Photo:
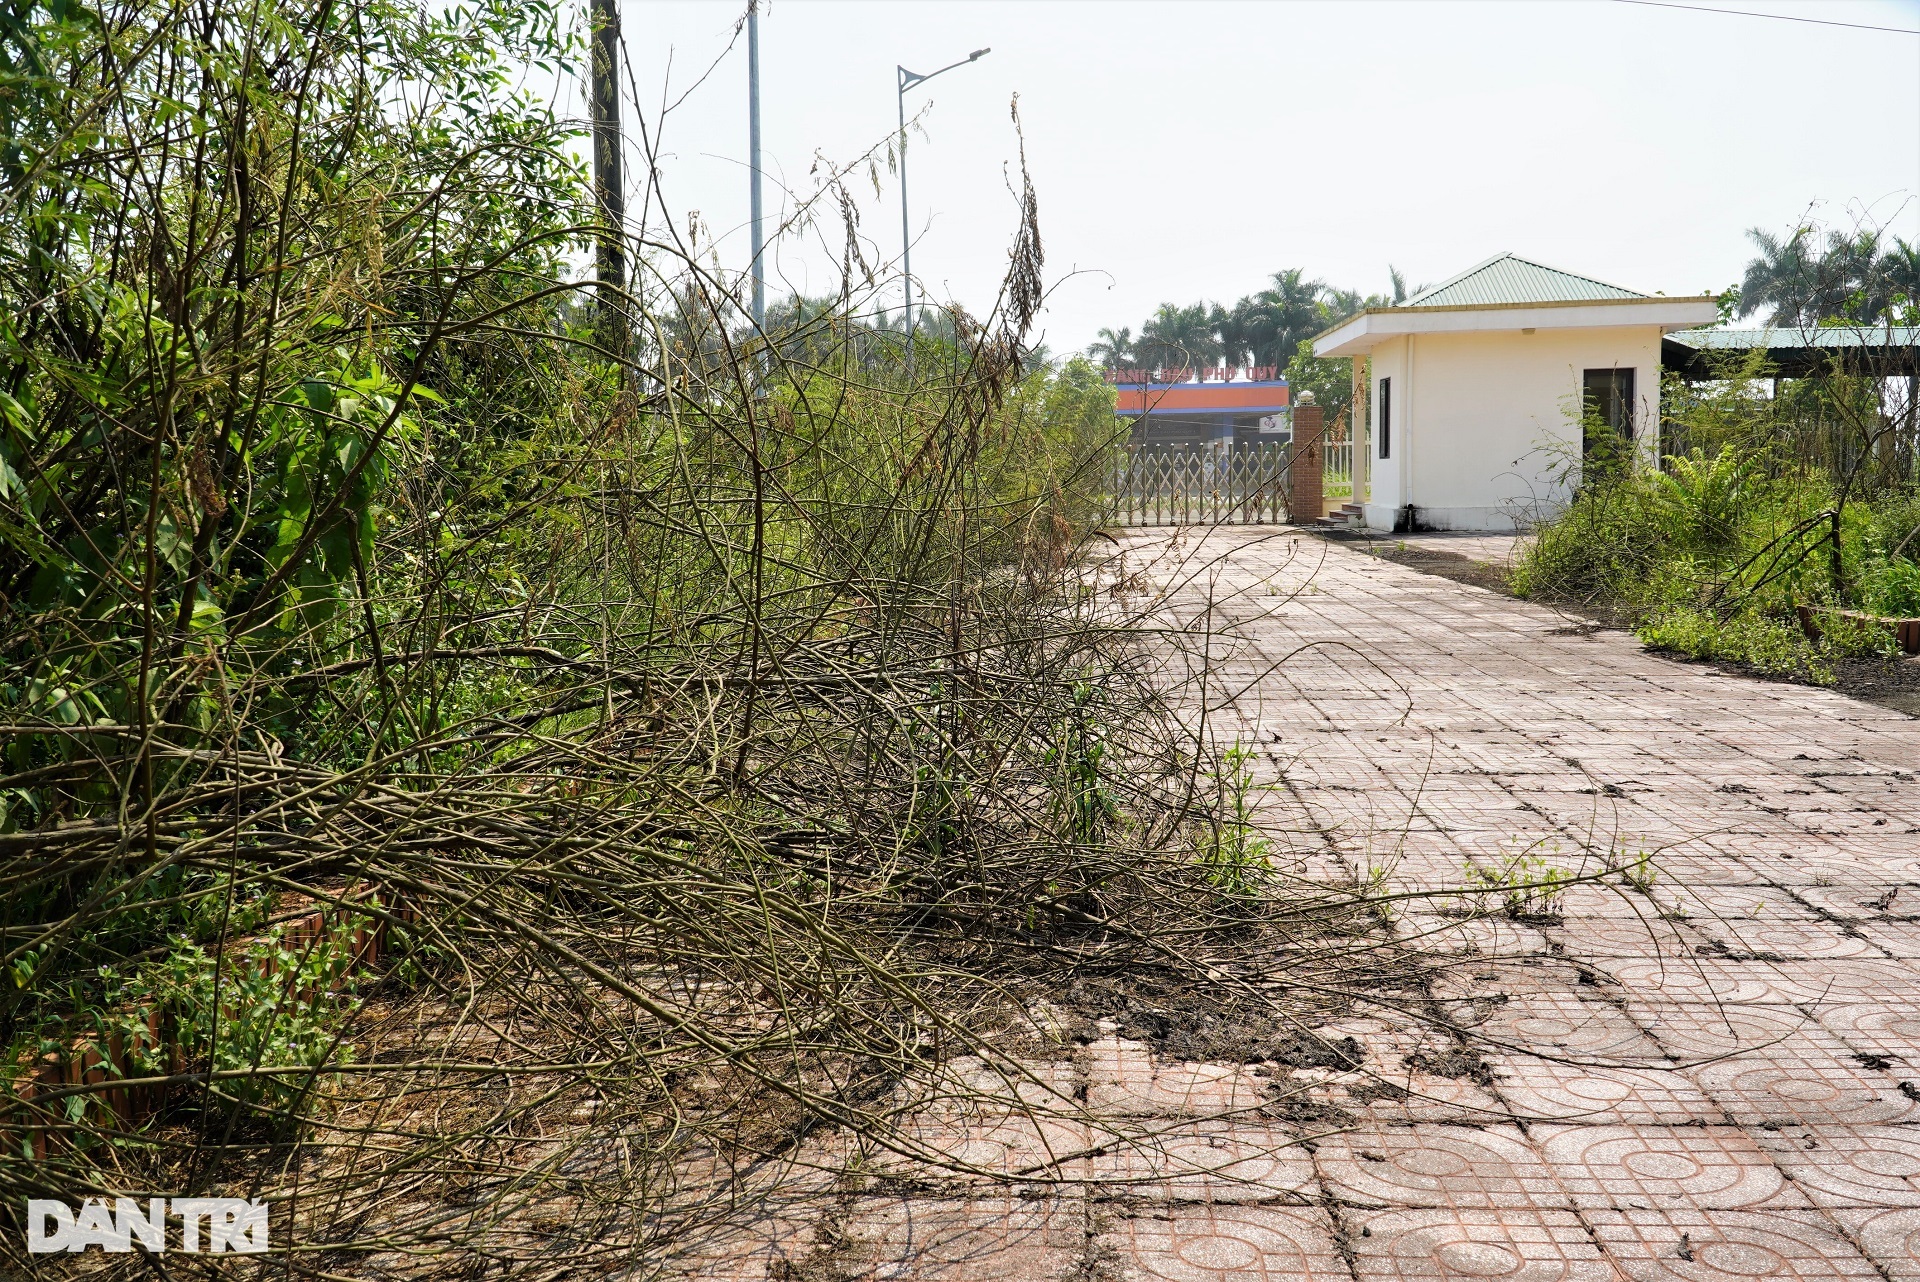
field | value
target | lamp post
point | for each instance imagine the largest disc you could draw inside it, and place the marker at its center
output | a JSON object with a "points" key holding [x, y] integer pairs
{"points": [[907, 80]]}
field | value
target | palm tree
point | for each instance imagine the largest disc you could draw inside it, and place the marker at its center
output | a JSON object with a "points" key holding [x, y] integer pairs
{"points": [[1177, 337], [1233, 333], [1780, 281], [1110, 349], [1278, 317], [1847, 285], [1338, 304], [1899, 271]]}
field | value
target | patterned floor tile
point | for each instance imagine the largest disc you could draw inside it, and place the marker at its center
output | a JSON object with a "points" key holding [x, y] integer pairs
{"points": [[1427, 1245], [1547, 1091], [1707, 1246], [1563, 1024], [1851, 1166], [1124, 1078], [987, 1239], [1690, 1031], [1716, 1068], [1804, 1081], [1651, 1167], [1437, 1166], [1888, 1028], [1891, 1238], [1209, 1162], [1216, 1243], [1789, 941], [982, 1149]]}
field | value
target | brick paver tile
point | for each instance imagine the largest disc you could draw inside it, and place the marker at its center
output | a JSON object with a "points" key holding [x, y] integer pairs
{"points": [[752, 1248], [1522, 1245], [1391, 1093], [1702, 979], [1855, 898], [1566, 1024], [1684, 1245], [1809, 1080], [1483, 937], [977, 1149], [1898, 939], [1851, 1166], [987, 1239], [1720, 1073], [1890, 1238], [1199, 1243], [969, 1084], [1789, 940], [1437, 1166], [1888, 1028], [1595, 1095], [1123, 1077], [1651, 1167], [1691, 1031], [1209, 1161]]}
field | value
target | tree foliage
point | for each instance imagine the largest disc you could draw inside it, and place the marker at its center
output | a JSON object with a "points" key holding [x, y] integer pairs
{"points": [[1815, 274], [1270, 327]]}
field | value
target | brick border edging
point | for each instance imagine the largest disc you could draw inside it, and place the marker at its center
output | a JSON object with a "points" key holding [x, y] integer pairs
{"points": [[89, 1064]]}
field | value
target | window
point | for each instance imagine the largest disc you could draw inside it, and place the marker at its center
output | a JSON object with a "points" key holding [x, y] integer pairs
{"points": [[1385, 401], [1607, 398]]}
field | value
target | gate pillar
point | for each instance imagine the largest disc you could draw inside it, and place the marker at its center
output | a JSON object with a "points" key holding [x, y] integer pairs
{"points": [[1307, 464]]}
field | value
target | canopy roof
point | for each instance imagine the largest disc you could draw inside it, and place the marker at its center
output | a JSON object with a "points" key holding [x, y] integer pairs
{"points": [[1795, 352]]}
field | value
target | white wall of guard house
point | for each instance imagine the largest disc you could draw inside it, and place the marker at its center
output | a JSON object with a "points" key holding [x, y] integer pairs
{"points": [[1477, 384]]}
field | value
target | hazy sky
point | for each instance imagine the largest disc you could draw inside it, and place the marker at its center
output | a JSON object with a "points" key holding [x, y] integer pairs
{"points": [[1187, 150]]}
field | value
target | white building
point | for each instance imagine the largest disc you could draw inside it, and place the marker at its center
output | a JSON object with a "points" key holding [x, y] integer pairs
{"points": [[1477, 387]]}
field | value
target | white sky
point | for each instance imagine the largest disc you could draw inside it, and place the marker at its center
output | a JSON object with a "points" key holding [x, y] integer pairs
{"points": [[1186, 151]]}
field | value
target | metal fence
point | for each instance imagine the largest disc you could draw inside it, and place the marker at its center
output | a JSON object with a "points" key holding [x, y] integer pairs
{"points": [[1207, 486]]}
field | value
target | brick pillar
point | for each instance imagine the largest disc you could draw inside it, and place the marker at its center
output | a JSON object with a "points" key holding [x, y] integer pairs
{"points": [[1307, 466]]}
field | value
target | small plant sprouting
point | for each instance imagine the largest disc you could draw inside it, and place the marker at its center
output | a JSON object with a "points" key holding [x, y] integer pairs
{"points": [[1639, 872], [1083, 802], [1528, 885], [1237, 852]]}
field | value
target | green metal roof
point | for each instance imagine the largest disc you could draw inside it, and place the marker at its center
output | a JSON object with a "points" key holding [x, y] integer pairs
{"points": [[1508, 278], [1828, 337], [1883, 351]]}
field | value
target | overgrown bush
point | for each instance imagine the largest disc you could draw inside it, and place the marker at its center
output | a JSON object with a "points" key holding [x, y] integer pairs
{"points": [[1771, 507], [727, 712]]}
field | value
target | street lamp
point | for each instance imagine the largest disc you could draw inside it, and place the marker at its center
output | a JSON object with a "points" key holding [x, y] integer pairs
{"points": [[908, 80]]}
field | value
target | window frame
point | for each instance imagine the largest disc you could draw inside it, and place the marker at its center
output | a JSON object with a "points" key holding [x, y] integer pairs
{"points": [[1624, 386], [1383, 414]]}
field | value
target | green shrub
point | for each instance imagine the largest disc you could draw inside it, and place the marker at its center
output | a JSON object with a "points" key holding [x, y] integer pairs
{"points": [[1596, 551], [1892, 587], [1763, 642]]}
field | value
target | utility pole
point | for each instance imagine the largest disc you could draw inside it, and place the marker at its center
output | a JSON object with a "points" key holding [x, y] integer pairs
{"points": [[609, 191], [753, 161]]}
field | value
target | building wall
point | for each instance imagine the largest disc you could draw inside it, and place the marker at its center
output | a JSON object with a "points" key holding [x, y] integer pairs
{"points": [[1485, 424]]}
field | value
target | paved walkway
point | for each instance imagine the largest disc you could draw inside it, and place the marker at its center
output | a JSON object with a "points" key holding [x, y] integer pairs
{"points": [[1705, 1065], [1717, 1076]]}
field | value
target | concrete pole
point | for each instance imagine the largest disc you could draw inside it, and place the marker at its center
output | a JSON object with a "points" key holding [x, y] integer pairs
{"points": [[906, 235], [753, 163], [609, 191]]}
